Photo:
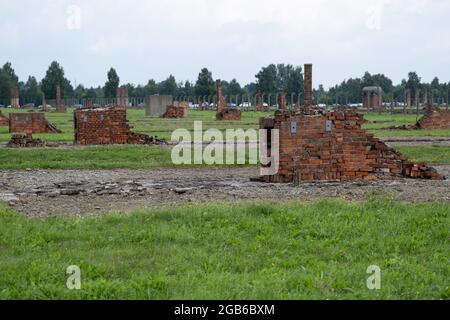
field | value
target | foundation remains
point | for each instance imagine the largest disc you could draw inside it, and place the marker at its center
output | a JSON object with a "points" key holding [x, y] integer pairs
{"points": [[107, 126], [24, 141], [179, 109], [320, 145], [224, 113], [434, 118], [31, 122]]}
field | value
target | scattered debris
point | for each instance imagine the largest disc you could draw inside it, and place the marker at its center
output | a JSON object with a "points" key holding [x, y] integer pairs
{"points": [[24, 141]]}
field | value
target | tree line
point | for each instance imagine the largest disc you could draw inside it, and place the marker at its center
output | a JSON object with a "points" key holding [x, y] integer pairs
{"points": [[269, 80]]}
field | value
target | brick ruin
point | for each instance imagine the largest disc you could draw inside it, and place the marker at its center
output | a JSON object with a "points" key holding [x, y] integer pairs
{"points": [[224, 113], [308, 88], [179, 109], [59, 106], [15, 104], [373, 99], [107, 126], [321, 145], [31, 122], [122, 97], [260, 103], [24, 141], [4, 120], [434, 118], [408, 99]]}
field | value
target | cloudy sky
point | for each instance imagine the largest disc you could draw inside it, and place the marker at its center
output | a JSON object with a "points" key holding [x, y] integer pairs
{"points": [[146, 39]]}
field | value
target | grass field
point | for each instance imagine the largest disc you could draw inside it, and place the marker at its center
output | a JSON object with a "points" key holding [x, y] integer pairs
{"points": [[163, 128], [145, 157], [259, 251]]}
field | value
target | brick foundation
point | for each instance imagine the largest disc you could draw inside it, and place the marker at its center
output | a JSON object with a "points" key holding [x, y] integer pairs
{"points": [[24, 141], [4, 120], [224, 113], [341, 151], [179, 109], [106, 126], [434, 118], [31, 122]]}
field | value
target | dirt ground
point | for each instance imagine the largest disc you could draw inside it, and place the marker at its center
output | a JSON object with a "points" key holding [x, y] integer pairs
{"points": [[45, 193]]}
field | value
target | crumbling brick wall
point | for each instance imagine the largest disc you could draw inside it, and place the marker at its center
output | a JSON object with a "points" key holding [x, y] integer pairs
{"points": [[106, 126], [224, 113], [333, 146], [434, 118], [179, 109], [31, 122], [4, 120]]}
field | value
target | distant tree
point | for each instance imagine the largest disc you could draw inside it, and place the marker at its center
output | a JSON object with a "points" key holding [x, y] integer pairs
{"points": [[234, 88], [8, 79], [413, 81], [267, 79], [53, 77], [112, 84], [205, 85], [151, 87], [32, 92], [168, 86]]}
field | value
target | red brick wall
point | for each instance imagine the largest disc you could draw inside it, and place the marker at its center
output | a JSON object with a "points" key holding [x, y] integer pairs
{"points": [[105, 126], [435, 118], [346, 152], [30, 122], [308, 87]]}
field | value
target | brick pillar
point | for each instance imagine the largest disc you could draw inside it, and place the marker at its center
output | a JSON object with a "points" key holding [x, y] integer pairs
{"points": [[122, 97], [44, 102], [221, 103], [425, 96], [417, 97], [408, 97], [281, 101], [15, 98], [308, 87], [259, 102], [58, 96]]}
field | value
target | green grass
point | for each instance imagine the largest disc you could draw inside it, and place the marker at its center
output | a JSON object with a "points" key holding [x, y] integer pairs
{"points": [[145, 157], [163, 128], [258, 251], [434, 154]]}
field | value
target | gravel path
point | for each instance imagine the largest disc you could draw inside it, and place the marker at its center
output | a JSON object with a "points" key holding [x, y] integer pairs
{"points": [[44, 193]]}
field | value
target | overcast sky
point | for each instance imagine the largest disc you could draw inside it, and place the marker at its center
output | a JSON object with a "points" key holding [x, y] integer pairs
{"points": [[146, 39]]}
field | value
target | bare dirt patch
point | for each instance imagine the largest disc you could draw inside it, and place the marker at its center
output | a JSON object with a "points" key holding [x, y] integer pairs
{"points": [[45, 193]]}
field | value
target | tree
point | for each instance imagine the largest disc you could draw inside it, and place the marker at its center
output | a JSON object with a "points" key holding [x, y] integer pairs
{"points": [[112, 84], [267, 79], [169, 86], [205, 85], [413, 81], [31, 91], [8, 79], [151, 88], [53, 77]]}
